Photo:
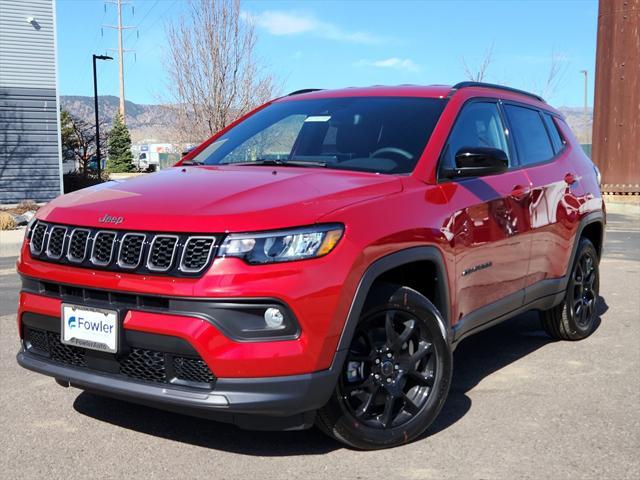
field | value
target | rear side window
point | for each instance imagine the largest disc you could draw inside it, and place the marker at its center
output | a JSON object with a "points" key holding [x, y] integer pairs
{"points": [[530, 135], [556, 139]]}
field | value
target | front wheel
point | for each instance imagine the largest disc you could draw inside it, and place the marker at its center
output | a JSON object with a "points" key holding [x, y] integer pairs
{"points": [[396, 375], [576, 317]]}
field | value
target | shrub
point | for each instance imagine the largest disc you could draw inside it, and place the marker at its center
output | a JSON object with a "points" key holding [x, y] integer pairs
{"points": [[6, 221], [26, 206], [120, 159]]}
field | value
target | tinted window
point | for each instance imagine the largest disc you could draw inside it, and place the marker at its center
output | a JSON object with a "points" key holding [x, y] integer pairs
{"points": [[556, 139], [530, 135], [381, 134], [478, 125]]}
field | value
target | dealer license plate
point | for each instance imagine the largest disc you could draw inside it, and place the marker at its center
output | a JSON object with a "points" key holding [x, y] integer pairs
{"points": [[88, 327]]}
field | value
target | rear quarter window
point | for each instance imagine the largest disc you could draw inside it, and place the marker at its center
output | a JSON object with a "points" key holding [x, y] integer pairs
{"points": [[530, 135], [556, 139]]}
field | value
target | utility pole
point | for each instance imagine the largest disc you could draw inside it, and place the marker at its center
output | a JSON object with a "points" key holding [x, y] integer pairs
{"points": [[121, 50], [120, 59], [586, 107]]}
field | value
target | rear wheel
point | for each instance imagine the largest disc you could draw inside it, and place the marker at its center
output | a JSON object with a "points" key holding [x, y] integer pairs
{"points": [[396, 376], [575, 318]]}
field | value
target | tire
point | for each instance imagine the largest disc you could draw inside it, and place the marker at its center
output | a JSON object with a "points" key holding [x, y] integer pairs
{"points": [[576, 317], [396, 375]]}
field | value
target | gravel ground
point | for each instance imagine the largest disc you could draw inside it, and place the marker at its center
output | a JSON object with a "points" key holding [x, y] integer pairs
{"points": [[521, 406]]}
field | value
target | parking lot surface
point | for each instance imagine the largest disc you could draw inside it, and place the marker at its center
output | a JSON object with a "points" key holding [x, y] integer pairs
{"points": [[521, 406]]}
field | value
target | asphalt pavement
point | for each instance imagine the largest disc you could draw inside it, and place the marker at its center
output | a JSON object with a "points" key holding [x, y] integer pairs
{"points": [[521, 406]]}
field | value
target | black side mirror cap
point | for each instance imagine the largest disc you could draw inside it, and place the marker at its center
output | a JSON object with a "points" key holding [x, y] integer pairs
{"points": [[479, 161]]}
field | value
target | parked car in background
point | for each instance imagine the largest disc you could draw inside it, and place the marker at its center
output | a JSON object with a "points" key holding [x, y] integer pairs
{"points": [[318, 261]]}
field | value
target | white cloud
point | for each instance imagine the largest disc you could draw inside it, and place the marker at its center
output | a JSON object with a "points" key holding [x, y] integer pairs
{"points": [[394, 62], [281, 23]]}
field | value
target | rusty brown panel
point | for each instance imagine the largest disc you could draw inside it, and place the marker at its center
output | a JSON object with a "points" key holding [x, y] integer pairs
{"points": [[616, 123]]}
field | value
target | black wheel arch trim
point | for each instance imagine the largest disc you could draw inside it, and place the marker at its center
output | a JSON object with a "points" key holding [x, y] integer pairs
{"points": [[427, 253], [588, 219]]}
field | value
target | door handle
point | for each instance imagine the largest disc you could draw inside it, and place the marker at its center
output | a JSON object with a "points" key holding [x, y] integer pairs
{"points": [[519, 192], [570, 178]]}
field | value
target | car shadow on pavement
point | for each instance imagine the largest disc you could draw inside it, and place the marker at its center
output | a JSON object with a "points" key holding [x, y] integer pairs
{"points": [[475, 358], [202, 432], [489, 351]]}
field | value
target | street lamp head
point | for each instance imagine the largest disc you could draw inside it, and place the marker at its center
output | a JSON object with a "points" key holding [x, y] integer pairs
{"points": [[102, 57]]}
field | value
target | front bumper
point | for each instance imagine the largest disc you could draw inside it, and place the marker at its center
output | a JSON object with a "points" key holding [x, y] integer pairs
{"points": [[269, 403]]}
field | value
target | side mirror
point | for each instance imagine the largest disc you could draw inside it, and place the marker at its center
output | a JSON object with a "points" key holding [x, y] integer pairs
{"points": [[479, 161]]}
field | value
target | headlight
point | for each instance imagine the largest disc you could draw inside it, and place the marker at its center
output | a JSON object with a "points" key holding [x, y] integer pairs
{"points": [[284, 245]]}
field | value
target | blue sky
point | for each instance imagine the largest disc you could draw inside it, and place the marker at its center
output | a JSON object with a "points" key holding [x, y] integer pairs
{"points": [[331, 43]]}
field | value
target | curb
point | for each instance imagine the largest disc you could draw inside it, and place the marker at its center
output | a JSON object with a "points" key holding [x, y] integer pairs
{"points": [[10, 242]]}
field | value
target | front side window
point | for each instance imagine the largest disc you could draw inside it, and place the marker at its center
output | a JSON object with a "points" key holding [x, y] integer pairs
{"points": [[530, 135], [376, 134], [478, 125]]}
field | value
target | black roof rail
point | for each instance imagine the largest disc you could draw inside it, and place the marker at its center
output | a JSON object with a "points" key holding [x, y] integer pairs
{"points": [[461, 85], [304, 90]]}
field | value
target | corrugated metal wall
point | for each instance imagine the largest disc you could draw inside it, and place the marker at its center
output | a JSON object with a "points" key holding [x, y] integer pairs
{"points": [[616, 123], [30, 162]]}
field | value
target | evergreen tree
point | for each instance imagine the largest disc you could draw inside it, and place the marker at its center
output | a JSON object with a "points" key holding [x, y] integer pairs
{"points": [[120, 157]]}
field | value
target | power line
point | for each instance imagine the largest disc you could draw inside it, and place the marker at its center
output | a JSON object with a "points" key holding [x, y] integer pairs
{"points": [[143, 18]]}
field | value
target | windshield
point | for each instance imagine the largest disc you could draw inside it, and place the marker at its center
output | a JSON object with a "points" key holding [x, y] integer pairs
{"points": [[379, 134]]}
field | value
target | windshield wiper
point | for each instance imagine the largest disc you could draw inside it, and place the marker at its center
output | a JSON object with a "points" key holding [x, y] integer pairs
{"points": [[281, 163], [190, 163]]}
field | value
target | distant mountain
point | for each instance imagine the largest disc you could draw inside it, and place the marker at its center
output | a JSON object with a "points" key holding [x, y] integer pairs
{"points": [[580, 123], [153, 122], [145, 122]]}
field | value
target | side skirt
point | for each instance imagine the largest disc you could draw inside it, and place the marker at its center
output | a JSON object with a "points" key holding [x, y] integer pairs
{"points": [[541, 296]]}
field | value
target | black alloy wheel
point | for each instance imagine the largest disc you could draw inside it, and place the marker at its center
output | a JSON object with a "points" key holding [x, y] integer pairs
{"points": [[396, 375], [577, 316], [390, 369], [585, 293]]}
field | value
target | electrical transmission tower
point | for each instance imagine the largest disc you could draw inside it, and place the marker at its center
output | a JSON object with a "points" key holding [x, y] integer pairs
{"points": [[121, 50]]}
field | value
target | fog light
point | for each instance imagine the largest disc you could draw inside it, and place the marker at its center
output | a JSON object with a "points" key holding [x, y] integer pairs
{"points": [[274, 318]]}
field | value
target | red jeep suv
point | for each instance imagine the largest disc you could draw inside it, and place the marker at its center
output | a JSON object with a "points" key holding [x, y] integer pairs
{"points": [[319, 260]]}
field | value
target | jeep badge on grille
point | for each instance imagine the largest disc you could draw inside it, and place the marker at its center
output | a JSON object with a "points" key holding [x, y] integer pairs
{"points": [[109, 219]]}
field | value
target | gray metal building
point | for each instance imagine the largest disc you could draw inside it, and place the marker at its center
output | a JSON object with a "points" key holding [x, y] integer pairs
{"points": [[30, 155]]}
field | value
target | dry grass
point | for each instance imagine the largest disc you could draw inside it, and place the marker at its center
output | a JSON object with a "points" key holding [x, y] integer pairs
{"points": [[23, 206], [6, 221]]}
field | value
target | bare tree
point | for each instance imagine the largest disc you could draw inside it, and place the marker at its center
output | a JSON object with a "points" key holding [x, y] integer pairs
{"points": [[79, 140], [213, 72], [479, 74], [554, 77]]}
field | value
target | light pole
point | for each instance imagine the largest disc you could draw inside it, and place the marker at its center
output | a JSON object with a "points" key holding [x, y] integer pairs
{"points": [[586, 115], [95, 103]]}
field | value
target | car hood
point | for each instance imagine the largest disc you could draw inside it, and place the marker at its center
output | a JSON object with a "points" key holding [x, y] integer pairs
{"points": [[218, 199]]}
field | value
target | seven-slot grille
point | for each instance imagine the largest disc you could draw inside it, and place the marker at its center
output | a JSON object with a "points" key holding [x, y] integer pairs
{"points": [[37, 238], [130, 252], [171, 254], [56, 241], [103, 244], [163, 250], [196, 254]]}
